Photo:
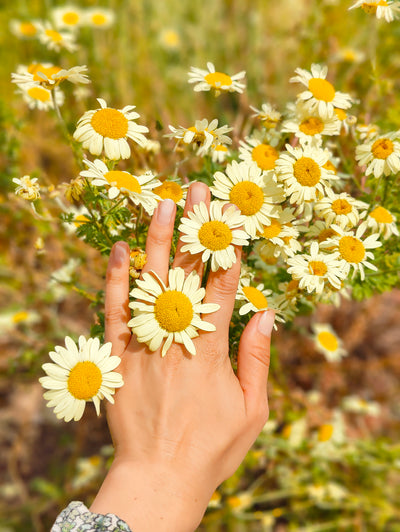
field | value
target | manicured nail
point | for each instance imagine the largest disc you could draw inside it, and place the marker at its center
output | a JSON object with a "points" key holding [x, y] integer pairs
{"points": [[198, 193], [120, 252], [165, 211], [266, 322]]}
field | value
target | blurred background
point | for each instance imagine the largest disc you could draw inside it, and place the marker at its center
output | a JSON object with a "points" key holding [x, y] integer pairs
{"points": [[50, 278]]}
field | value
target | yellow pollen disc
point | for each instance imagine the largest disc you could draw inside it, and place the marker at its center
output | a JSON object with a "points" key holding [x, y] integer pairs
{"points": [[317, 267], [80, 219], [286, 432], [307, 172], [171, 38], [70, 18], [215, 235], [270, 231], [28, 29], [169, 190], [173, 311], [265, 156], [351, 249], [382, 148], [312, 126], [84, 380], [98, 19], [110, 123], [321, 89], [341, 206], [218, 79], [255, 296], [342, 115], [381, 215], [47, 71], [54, 35], [38, 93], [248, 197], [328, 340], [22, 315], [220, 147], [330, 166], [199, 136], [325, 432], [325, 234], [121, 179]]}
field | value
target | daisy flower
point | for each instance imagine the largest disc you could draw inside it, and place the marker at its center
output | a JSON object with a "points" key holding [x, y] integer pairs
{"points": [[202, 135], [49, 75], [27, 188], [302, 172], [9, 320], [258, 298], [170, 39], [99, 17], [340, 209], [367, 131], [381, 221], [243, 185], [171, 313], [268, 115], [352, 249], [24, 29], [329, 437], [356, 405], [67, 17], [172, 189], [56, 40], [81, 216], [253, 150], [267, 255], [317, 269], [219, 153], [328, 343], [220, 82], [319, 231], [309, 127], [320, 95], [381, 8], [38, 97], [139, 189], [282, 233], [110, 128], [79, 374], [214, 234], [381, 156]]}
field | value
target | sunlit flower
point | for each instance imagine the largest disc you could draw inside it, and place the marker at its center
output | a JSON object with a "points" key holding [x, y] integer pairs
{"points": [[268, 115], [202, 135], [382, 221], [28, 187], [171, 313], [253, 150], [99, 17], [107, 128], [219, 153], [170, 39], [67, 17], [281, 232], [380, 8], [320, 95], [49, 75], [220, 82], [172, 189], [79, 374], [258, 298], [380, 156], [56, 40], [243, 185], [340, 209], [213, 234], [310, 127], [24, 29], [328, 343], [356, 405], [38, 97]]}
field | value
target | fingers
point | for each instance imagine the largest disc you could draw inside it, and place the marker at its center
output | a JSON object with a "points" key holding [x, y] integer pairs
{"points": [[117, 313], [198, 192], [159, 237], [253, 359]]}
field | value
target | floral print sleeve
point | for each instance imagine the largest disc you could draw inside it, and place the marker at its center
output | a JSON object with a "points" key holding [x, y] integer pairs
{"points": [[77, 518]]}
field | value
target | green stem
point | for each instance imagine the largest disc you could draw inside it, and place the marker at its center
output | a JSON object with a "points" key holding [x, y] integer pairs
{"points": [[113, 207], [94, 220]]}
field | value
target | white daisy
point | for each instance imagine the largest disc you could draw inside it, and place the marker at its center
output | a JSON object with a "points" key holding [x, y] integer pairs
{"points": [[356, 405], [81, 216], [9, 320], [310, 127], [282, 233], [171, 313], [49, 75], [99, 17], [381, 156], [243, 185], [219, 153], [328, 343], [268, 115], [340, 209], [67, 17], [258, 298], [56, 40], [382, 221], [213, 233], [27, 187], [170, 39], [316, 269], [110, 128], [367, 131], [139, 189], [267, 255], [220, 82], [172, 189], [202, 135], [79, 374], [381, 8], [253, 150], [320, 95], [38, 97], [330, 437], [24, 29]]}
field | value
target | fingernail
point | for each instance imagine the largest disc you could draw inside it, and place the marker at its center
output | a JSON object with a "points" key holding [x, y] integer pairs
{"points": [[198, 193], [120, 252], [165, 211], [266, 322]]}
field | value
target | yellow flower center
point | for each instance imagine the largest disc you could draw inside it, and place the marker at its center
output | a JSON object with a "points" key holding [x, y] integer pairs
{"points": [[382, 148], [199, 136], [120, 179], [171, 38], [220, 147], [328, 340], [255, 296], [80, 219], [330, 166], [34, 68], [38, 93], [287, 431], [307, 172], [270, 231], [98, 19], [22, 315], [27, 29], [215, 235], [381, 215], [325, 234], [54, 35], [218, 79], [312, 126], [371, 7], [110, 123], [248, 197], [265, 156], [317, 267], [321, 89], [84, 380], [169, 190], [341, 206], [71, 18], [325, 432], [173, 311], [342, 115], [351, 249]]}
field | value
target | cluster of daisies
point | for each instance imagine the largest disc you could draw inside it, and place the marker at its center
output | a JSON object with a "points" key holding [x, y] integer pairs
{"points": [[382, 9]]}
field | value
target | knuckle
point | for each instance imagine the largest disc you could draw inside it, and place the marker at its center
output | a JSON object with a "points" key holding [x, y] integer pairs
{"points": [[157, 238], [113, 315], [261, 355]]}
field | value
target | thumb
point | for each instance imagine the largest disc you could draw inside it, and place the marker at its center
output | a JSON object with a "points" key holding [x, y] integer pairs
{"points": [[254, 357]]}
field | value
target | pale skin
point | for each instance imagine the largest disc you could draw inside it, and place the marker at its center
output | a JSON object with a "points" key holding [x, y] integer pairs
{"points": [[181, 424]]}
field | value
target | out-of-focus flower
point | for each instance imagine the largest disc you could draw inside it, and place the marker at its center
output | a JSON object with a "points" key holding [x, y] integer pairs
{"points": [[350, 55], [81, 216], [56, 40], [38, 97], [88, 469], [49, 75], [330, 437], [295, 432], [170, 39], [152, 146], [219, 81], [24, 29], [99, 17], [219, 153], [28, 188], [381, 156], [11, 319], [356, 405], [67, 17], [328, 343], [268, 115], [380, 8], [382, 221], [367, 131]]}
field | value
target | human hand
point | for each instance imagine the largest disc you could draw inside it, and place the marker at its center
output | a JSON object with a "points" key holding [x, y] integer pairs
{"points": [[181, 424]]}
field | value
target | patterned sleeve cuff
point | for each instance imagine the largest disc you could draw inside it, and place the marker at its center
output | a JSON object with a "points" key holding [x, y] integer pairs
{"points": [[77, 518]]}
